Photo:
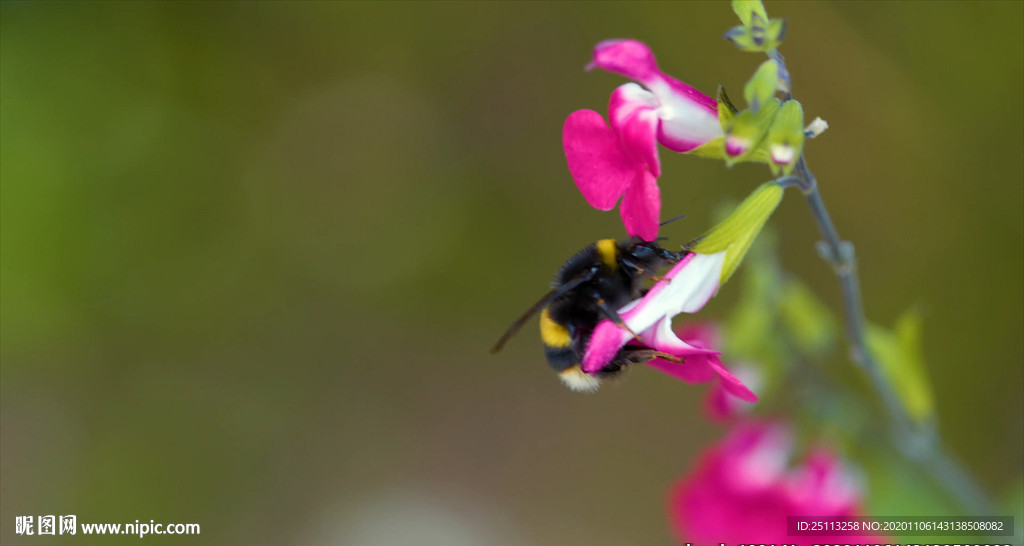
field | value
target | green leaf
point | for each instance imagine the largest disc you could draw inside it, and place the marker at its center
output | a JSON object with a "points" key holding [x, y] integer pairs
{"points": [[747, 9], [785, 139], [899, 353], [762, 85], [735, 234], [807, 319]]}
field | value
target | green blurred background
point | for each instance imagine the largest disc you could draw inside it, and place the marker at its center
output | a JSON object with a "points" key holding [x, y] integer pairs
{"points": [[254, 255]]}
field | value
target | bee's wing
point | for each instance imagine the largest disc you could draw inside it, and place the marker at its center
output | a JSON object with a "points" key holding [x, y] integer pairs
{"points": [[552, 295]]}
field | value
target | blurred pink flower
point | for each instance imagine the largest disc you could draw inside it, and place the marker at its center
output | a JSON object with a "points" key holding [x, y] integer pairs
{"points": [[686, 288], [742, 492], [621, 160]]}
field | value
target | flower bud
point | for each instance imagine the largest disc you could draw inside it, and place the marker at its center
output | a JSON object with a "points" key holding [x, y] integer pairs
{"points": [[785, 139]]}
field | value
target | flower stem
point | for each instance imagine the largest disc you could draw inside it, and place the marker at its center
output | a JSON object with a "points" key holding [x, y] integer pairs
{"points": [[917, 442], [841, 256]]}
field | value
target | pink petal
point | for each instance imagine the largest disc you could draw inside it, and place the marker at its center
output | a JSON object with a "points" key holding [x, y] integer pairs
{"points": [[740, 492], [756, 456], [633, 116], [721, 404], [694, 367], [604, 344], [824, 482], [730, 382], [688, 117], [725, 500], [700, 334], [631, 58], [680, 92], [692, 370], [641, 206], [700, 363], [597, 162]]}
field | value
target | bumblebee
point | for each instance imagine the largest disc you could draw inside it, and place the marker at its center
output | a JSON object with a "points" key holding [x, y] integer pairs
{"points": [[591, 286]]}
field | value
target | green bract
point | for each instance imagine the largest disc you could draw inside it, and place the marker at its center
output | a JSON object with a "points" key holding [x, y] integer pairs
{"points": [[762, 85], [726, 109], [748, 129], [735, 234], [747, 9], [785, 140], [758, 33]]}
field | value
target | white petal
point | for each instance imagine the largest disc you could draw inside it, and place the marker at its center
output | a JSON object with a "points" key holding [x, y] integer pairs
{"points": [[686, 289]]}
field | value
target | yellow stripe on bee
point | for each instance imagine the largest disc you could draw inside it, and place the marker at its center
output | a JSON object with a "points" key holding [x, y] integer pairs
{"points": [[608, 252], [552, 333]]}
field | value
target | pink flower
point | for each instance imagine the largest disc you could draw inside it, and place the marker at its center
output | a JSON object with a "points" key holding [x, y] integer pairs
{"points": [[686, 288], [621, 161], [741, 491], [687, 118]]}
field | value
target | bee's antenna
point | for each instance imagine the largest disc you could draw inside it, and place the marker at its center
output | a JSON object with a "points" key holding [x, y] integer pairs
{"points": [[669, 221], [688, 247]]}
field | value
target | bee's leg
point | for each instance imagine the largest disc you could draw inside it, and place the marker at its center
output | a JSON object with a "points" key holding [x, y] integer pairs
{"points": [[637, 356], [672, 256], [613, 315], [640, 270], [627, 356]]}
